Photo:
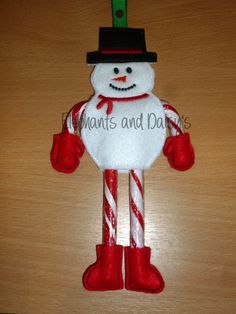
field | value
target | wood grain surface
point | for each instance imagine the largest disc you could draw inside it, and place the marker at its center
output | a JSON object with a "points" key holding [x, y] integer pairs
{"points": [[51, 222]]}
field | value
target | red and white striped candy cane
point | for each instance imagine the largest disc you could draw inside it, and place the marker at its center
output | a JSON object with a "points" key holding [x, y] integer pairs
{"points": [[109, 207], [74, 117], [136, 209], [173, 119]]}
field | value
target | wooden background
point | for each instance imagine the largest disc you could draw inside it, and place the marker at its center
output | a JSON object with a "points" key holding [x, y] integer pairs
{"points": [[51, 222]]}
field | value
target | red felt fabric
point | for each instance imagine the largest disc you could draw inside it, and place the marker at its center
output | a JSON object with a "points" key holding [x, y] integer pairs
{"points": [[106, 272], [66, 152], [140, 274], [179, 151], [109, 101], [111, 51]]}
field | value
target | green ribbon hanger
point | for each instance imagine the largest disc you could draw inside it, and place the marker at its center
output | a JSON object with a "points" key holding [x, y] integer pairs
{"points": [[119, 13]]}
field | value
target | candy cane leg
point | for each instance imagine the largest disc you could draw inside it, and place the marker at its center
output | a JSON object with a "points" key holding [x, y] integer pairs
{"points": [[109, 207], [136, 209]]}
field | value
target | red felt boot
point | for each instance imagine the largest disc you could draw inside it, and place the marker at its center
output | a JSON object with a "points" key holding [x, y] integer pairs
{"points": [[140, 275], [106, 272]]}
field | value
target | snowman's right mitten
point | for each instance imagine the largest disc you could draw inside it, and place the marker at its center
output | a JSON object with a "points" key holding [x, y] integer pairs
{"points": [[66, 152]]}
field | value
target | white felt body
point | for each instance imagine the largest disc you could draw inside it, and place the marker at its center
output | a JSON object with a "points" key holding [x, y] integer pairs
{"points": [[112, 145]]}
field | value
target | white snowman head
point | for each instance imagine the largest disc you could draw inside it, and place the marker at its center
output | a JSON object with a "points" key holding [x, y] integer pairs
{"points": [[126, 79]]}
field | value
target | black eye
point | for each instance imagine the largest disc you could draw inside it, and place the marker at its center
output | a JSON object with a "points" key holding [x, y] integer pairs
{"points": [[116, 70], [129, 70]]}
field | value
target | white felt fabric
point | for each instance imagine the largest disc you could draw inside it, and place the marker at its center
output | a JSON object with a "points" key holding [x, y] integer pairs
{"points": [[114, 145], [133, 135], [142, 76]]}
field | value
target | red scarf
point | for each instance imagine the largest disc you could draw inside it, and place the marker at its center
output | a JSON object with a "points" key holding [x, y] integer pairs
{"points": [[109, 101]]}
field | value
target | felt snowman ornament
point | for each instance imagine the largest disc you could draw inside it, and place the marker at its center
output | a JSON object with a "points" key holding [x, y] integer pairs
{"points": [[122, 127]]}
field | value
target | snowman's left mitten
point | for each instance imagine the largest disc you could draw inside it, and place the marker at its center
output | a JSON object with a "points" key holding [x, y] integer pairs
{"points": [[66, 152], [179, 151]]}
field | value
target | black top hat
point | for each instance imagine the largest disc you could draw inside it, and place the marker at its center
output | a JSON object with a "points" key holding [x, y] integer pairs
{"points": [[121, 45]]}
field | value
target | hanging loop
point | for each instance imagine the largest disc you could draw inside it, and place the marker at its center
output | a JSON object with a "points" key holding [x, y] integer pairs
{"points": [[119, 13]]}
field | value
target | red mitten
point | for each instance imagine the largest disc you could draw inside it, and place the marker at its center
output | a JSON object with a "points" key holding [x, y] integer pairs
{"points": [[179, 151], [66, 152]]}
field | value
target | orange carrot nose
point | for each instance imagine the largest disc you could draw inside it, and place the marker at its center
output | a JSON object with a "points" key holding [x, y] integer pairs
{"points": [[120, 78]]}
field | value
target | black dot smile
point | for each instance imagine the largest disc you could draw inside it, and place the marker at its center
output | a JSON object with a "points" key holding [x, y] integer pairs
{"points": [[122, 88]]}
